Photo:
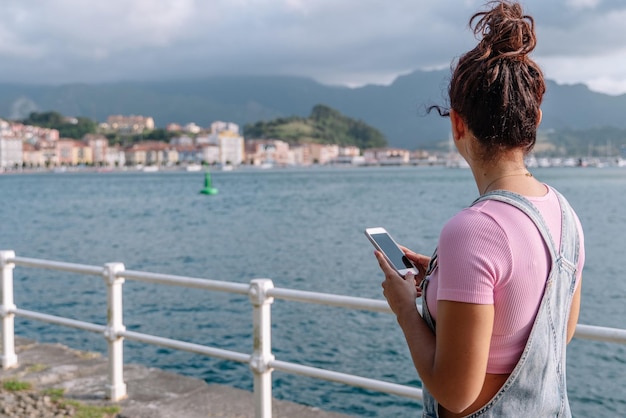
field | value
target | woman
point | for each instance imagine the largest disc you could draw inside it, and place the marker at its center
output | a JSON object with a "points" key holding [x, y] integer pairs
{"points": [[501, 295]]}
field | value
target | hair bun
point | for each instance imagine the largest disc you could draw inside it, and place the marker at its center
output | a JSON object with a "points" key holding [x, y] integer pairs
{"points": [[504, 31]]}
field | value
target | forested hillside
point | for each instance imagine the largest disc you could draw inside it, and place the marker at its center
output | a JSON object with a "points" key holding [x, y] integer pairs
{"points": [[325, 126], [67, 127]]}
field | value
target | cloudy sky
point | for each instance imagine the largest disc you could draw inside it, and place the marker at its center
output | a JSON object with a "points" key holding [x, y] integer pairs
{"points": [[348, 42]]}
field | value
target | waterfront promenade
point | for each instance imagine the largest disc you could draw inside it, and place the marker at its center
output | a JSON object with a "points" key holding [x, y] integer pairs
{"points": [[152, 393]]}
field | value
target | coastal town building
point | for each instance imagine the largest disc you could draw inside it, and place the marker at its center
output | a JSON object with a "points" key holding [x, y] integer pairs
{"points": [[32, 156], [99, 145], [128, 125], [49, 152], [192, 128], [11, 153], [350, 155], [72, 152], [27, 133], [299, 155], [115, 156], [5, 127], [182, 140], [173, 127], [201, 140], [323, 153], [210, 153], [151, 153], [231, 146], [219, 126], [349, 151], [267, 152], [188, 154]]}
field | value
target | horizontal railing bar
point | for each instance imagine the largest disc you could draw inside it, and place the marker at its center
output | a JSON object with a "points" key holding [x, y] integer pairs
{"points": [[88, 326], [185, 346], [58, 265], [329, 299], [170, 279], [348, 379], [592, 332]]}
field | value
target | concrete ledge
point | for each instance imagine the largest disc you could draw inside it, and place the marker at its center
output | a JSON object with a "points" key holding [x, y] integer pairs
{"points": [[152, 393]]}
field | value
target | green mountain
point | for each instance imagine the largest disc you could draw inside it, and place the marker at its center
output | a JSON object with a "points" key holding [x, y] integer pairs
{"points": [[324, 125], [397, 110]]}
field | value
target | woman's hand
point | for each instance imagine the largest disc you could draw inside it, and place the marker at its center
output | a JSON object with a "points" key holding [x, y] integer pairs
{"points": [[420, 261], [399, 291]]}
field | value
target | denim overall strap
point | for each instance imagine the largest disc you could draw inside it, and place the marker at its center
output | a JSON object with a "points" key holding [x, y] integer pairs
{"points": [[429, 404], [537, 385]]}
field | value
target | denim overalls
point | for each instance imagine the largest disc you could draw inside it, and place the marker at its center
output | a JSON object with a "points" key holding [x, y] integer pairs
{"points": [[537, 386]]}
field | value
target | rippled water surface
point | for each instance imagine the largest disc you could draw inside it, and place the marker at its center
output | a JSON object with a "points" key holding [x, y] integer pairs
{"points": [[304, 230]]}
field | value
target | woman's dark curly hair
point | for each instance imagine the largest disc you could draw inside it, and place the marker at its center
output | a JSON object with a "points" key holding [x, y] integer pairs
{"points": [[496, 88]]}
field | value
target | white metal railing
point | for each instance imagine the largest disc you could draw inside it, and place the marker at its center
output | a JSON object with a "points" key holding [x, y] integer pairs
{"points": [[261, 293]]}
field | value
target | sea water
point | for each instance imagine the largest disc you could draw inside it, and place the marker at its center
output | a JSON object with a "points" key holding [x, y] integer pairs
{"points": [[302, 228]]}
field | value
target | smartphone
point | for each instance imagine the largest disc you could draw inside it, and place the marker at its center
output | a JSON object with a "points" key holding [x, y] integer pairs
{"points": [[390, 249]]}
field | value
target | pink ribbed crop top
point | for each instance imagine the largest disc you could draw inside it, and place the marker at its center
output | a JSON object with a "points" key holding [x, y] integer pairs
{"points": [[492, 253]]}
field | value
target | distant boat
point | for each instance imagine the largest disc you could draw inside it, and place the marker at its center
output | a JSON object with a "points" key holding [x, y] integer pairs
{"points": [[150, 169], [208, 186]]}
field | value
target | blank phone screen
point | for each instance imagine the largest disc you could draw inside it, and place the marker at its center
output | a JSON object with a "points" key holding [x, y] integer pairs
{"points": [[395, 255]]}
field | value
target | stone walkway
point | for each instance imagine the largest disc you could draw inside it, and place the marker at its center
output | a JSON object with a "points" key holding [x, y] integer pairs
{"points": [[152, 393]]}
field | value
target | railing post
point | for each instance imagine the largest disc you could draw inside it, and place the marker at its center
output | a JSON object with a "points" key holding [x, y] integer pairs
{"points": [[262, 354], [9, 359], [116, 388]]}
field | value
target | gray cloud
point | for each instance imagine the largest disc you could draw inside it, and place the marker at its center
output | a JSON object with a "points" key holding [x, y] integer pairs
{"points": [[349, 42]]}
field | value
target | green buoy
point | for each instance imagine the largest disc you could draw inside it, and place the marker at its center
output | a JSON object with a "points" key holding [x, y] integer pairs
{"points": [[207, 185]]}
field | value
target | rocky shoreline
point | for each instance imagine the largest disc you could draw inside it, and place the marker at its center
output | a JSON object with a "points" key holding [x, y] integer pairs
{"points": [[31, 404]]}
